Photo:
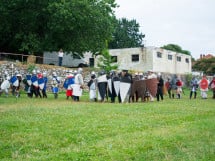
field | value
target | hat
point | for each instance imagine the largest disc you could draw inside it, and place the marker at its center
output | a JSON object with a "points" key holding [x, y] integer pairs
{"points": [[124, 70]]}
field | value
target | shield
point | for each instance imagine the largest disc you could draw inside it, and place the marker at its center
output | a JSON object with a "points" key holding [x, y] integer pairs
{"points": [[152, 85], [124, 88], [55, 89], [204, 84], [110, 85], [34, 80], [116, 84], [28, 78], [14, 81], [41, 83], [5, 85], [102, 78], [68, 81]]}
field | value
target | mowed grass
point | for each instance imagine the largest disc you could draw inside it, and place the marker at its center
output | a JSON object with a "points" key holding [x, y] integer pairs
{"points": [[57, 130]]}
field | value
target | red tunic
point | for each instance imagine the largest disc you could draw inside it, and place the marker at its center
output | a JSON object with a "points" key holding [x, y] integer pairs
{"points": [[204, 83]]}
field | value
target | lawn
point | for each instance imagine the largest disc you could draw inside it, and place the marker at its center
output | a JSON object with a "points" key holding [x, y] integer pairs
{"points": [[58, 130]]}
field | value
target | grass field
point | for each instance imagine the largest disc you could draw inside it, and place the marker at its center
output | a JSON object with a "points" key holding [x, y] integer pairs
{"points": [[60, 130]]}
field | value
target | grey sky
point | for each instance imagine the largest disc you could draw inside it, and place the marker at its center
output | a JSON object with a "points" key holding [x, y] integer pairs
{"points": [[187, 23]]}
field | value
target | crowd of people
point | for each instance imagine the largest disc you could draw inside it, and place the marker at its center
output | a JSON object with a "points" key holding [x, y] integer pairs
{"points": [[102, 86]]}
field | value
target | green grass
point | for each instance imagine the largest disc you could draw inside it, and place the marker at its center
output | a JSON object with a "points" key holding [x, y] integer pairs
{"points": [[49, 129]]}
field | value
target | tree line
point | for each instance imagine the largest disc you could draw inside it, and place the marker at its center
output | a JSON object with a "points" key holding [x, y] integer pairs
{"points": [[34, 26]]}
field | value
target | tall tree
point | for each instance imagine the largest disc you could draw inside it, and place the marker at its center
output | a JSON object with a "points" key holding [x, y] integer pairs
{"points": [[126, 34], [176, 48], [37, 25], [205, 65]]}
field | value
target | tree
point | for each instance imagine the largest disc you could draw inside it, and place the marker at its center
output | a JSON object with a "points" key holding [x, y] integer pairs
{"points": [[176, 48], [126, 34], [106, 61], [205, 65], [35, 25]]}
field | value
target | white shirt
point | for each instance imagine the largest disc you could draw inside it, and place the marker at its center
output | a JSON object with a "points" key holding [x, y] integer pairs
{"points": [[60, 54]]}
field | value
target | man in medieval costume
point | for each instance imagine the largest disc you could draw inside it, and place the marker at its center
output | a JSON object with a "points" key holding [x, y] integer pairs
{"points": [[92, 84], [193, 87], [203, 84], [102, 86], [78, 85], [212, 86]]}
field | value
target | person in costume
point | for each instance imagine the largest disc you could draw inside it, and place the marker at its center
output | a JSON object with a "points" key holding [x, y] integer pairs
{"points": [[92, 84], [160, 87], [102, 86], [34, 84], [5, 85], [212, 86], [193, 87], [78, 85], [55, 85], [179, 85], [39, 76], [27, 82], [15, 82], [125, 86], [111, 79], [173, 85], [203, 84], [168, 87], [45, 85], [69, 81]]}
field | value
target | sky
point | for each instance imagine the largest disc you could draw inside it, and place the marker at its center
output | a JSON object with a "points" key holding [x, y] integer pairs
{"points": [[187, 23]]}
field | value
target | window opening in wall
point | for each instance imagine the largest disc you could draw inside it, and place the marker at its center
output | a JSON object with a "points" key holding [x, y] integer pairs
{"points": [[169, 57], [114, 59], [135, 57], [178, 58], [187, 60], [159, 54]]}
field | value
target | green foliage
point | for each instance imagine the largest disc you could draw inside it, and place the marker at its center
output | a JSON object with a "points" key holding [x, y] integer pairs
{"points": [[31, 67], [176, 48], [38, 129], [205, 65], [126, 34], [32, 26], [188, 78], [106, 62]]}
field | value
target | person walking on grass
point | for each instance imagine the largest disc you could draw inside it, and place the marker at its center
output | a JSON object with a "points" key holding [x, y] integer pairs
{"points": [[168, 86], [212, 86], [203, 84], [193, 87], [160, 88]]}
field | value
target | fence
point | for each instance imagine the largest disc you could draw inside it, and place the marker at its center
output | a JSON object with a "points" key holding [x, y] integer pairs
{"points": [[22, 57]]}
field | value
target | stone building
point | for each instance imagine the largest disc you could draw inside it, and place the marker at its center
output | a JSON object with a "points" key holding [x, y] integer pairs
{"points": [[151, 58]]}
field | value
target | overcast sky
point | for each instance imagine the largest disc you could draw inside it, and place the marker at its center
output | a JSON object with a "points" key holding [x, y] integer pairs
{"points": [[187, 23]]}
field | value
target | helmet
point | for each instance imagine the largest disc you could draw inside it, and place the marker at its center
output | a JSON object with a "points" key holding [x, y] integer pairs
{"points": [[93, 73], [34, 72], [80, 70], [54, 74]]}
